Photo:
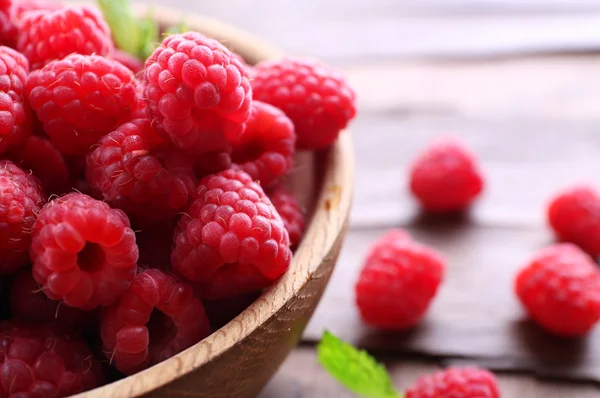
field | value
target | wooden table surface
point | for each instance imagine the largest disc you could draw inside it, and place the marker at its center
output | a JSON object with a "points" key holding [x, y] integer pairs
{"points": [[520, 82]]}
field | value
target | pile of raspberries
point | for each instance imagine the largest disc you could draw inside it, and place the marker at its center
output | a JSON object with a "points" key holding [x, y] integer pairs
{"points": [[136, 196]]}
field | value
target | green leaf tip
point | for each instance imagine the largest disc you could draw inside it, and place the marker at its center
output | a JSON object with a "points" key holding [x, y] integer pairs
{"points": [[122, 23], [355, 369]]}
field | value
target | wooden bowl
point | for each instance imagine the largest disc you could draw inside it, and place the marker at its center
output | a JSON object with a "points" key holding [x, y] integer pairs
{"points": [[238, 359]]}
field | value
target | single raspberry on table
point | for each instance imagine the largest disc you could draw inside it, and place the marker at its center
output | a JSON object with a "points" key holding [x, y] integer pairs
{"points": [[23, 6], [156, 318], [398, 281], [46, 35], [42, 360], [291, 213], [560, 289], [574, 214], [21, 199], [83, 252], [137, 171], [315, 97], [232, 240], [134, 64], [198, 93], [15, 117], [445, 177], [456, 382], [266, 149]]}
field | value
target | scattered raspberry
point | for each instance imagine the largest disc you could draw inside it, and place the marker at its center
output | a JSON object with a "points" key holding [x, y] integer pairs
{"points": [[40, 360], [232, 236], [156, 318], [45, 162], [560, 289], [574, 214], [83, 252], [456, 382], [317, 99], [21, 198], [133, 63], [197, 93], [266, 149], [15, 118], [81, 98], [220, 312], [51, 35], [136, 171], [22, 6], [28, 301], [445, 177], [398, 281], [291, 213]]}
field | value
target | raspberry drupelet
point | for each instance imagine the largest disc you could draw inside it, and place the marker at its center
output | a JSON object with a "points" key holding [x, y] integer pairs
{"points": [[135, 170], [399, 279], [46, 35], [266, 149], [574, 215], [198, 93], [291, 213], [21, 199], [233, 241], [156, 318], [42, 360], [83, 252], [15, 117], [456, 382], [81, 98], [560, 289], [315, 97]]}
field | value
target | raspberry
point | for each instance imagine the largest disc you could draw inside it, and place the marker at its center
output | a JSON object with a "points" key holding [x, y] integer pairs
{"points": [[456, 382], [316, 98], [197, 92], [15, 118], [80, 99], [266, 149], [23, 6], [232, 237], [41, 360], [27, 301], [21, 198], [136, 171], [48, 35], [399, 279], [574, 214], [131, 62], [83, 252], [156, 318], [445, 177], [8, 30], [291, 213], [45, 162], [560, 289]]}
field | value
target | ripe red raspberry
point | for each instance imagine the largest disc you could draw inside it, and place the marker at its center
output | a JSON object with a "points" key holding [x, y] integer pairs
{"points": [[266, 149], [8, 30], [133, 63], [45, 162], [156, 318], [23, 6], [136, 171], [456, 382], [445, 177], [560, 289], [291, 213], [28, 301], [399, 279], [574, 214], [80, 99], [83, 252], [51, 35], [197, 92], [232, 237], [15, 118], [315, 97], [21, 198], [41, 360]]}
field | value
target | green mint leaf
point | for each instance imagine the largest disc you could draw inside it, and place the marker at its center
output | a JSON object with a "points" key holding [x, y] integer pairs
{"points": [[148, 33], [355, 369], [122, 24]]}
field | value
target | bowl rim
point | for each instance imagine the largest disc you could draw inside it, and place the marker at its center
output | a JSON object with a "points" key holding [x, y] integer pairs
{"points": [[329, 220]]}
